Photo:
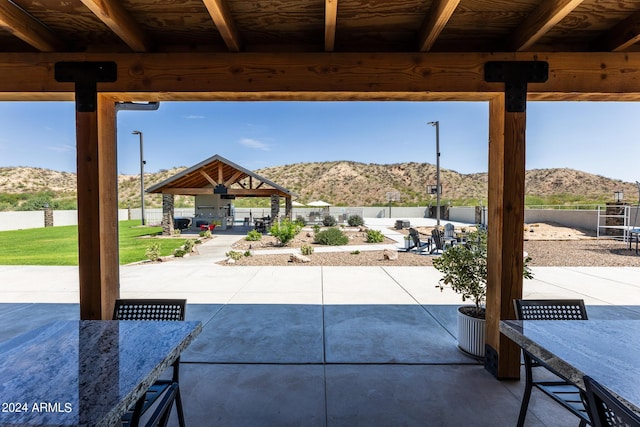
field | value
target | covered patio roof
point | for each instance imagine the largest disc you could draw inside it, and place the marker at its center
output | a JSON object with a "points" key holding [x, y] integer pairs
{"points": [[216, 170], [504, 52]]}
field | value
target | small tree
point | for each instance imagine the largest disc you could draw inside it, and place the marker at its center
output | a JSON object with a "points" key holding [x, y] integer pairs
{"points": [[465, 270]]}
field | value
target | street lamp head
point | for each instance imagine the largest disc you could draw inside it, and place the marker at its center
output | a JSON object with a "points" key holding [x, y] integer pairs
{"points": [[136, 132], [433, 123]]}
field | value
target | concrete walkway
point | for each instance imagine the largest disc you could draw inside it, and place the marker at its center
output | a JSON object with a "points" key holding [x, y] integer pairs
{"points": [[324, 346]]}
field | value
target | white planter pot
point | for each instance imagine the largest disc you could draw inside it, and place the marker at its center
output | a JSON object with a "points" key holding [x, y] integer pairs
{"points": [[471, 334]]}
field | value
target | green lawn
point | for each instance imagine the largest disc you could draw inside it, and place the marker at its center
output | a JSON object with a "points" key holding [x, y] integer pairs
{"points": [[59, 245]]}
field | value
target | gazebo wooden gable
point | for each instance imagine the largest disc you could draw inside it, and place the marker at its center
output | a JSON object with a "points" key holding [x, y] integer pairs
{"points": [[204, 177], [102, 52]]}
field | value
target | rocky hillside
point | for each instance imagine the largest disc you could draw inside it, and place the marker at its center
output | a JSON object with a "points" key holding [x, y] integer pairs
{"points": [[348, 183], [352, 183]]}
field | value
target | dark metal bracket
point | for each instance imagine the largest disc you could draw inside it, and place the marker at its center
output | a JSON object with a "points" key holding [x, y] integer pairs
{"points": [[86, 75], [491, 360], [516, 75]]}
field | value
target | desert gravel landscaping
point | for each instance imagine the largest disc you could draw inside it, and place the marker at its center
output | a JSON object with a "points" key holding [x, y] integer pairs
{"points": [[547, 244]]}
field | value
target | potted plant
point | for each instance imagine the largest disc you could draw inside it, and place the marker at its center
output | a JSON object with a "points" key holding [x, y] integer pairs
{"points": [[407, 241], [465, 270]]}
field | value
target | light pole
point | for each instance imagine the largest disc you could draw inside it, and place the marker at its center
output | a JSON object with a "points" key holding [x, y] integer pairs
{"points": [[142, 162], [437, 125]]}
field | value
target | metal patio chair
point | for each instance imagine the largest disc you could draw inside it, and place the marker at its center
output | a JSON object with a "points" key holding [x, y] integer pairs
{"points": [[605, 409], [562, 391], [166, 391]]}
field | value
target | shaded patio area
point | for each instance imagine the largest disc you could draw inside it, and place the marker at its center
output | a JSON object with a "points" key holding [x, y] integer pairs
{"points": [[328, 346]]}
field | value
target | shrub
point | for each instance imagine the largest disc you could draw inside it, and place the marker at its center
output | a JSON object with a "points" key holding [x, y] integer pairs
{"points": [[179, 253], [329, 221], [205, 234], [177, 232], [356, 252], [355, 221], [375, 236], [253, 236], [306, 249], [188, 245], [247, 253], [153, 251], [284, 231], [300, 221], [234, 255], [332, 237], [316, 228]]}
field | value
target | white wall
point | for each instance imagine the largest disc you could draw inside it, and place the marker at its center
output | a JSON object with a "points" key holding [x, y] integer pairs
{"points": [[585, 219], [35, 219]]}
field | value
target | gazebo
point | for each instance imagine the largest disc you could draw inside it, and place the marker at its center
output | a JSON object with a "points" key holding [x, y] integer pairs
{"points": [[214, 182], [103, 53]]}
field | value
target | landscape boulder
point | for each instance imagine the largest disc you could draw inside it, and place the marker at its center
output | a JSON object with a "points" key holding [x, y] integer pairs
{"points": [[390, 254], [299, 258]]}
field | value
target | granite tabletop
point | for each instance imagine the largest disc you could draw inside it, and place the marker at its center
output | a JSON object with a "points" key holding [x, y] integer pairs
{"points": [[606, 350], [85, 373]]}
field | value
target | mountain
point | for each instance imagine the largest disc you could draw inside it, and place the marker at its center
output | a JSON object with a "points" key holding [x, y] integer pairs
{"points": [[357, 184], [347, 183]]}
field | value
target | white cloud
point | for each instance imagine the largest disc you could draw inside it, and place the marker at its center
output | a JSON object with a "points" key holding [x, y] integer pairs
{"points": [[62, 148], [253, 143], [193, 117]]}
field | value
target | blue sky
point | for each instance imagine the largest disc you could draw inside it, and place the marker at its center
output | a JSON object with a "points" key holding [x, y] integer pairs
{"points": [[599, 138]]}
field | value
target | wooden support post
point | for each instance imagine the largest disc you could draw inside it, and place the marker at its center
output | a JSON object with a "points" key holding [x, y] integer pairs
{"points": [[505, 262], [505, 239], [97, 188]]}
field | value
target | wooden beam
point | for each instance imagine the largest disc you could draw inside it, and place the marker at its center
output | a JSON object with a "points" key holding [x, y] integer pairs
{"points": [[243, 192], [224, 22], [439, 14], [108, 176], [233, 178], [220, 172], [208, 178], [22, 25], [120, 22], [622, 36], [325, 76], [188, 191], [506, 229], [330, 19], [263, 192], [540, 21], [97, 211]]}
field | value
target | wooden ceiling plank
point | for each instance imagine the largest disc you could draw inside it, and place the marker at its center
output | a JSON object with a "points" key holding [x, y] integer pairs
{"points": [[114, 16], [439, 14], [622, 36], [224, 22], [330, 20], [208, 178], [25, 27], [540, 21]]}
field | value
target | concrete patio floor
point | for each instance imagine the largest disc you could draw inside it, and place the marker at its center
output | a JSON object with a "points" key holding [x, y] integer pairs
{"points": [[325, 346]]}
